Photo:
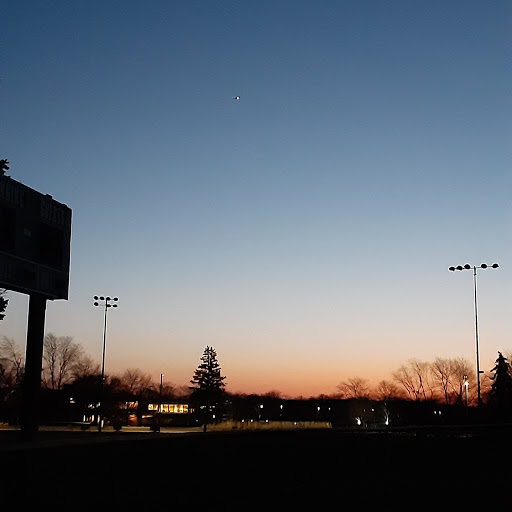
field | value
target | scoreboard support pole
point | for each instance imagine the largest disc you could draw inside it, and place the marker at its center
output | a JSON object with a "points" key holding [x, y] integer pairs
{"points": [[33, 367]]}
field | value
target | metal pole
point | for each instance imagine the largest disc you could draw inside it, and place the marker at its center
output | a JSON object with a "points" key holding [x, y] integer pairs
{"points": [[104, 342], [161, 383], [33, 367], [106, 305], [466, 386], [100, 410], [467, 266], [479, 400]]}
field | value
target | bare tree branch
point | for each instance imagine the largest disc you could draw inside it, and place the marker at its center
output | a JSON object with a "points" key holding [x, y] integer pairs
{"points": [[355, 387], [11, 358], [59, 356]]}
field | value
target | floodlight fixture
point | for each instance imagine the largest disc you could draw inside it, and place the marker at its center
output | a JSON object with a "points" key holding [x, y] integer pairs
{"points": [[106, 305], [483, 266]]}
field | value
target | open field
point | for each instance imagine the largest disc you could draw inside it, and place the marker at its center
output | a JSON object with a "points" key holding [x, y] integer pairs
{"points": [[274, 469]]}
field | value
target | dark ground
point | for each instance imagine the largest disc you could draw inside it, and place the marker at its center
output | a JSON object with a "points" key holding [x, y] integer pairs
{"points": [[274, 470]]}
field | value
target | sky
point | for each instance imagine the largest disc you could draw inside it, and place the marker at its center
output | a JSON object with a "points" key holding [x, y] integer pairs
{"points": [[305, 230]]}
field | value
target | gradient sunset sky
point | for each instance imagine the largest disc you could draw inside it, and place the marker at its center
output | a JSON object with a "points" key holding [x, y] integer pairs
{"points": [[304, 231]]}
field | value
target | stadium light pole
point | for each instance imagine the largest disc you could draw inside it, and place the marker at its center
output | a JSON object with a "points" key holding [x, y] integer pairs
{"points": [[467, 266], [105, 302], [161, 385]]}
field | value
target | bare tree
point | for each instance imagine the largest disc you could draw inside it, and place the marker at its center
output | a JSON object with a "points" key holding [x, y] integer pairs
{"points": [[462, 371], [405, 377], [274, 393], [355, 387], [135, 381], [424, 378], [442, 371], [415, 378], [387, 390], [11, 361], [85, 367], [168, 389], [60, 354]]}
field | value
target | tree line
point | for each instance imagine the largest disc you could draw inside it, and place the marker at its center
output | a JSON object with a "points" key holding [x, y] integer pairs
{"points": [[443, 379], [65, 362], [66, 367]]}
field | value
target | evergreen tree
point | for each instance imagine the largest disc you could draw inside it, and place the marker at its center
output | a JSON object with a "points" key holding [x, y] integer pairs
{"points": [[3, 166], [208, 387], [500, 397], [3, 304]]}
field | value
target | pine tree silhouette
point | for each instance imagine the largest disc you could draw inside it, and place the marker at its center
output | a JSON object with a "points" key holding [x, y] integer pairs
{"points": [[500, 397], [208, 388], [3, 166], [3, 304]]}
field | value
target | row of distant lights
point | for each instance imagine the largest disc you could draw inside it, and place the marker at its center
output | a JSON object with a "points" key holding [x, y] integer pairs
{"points": [[358, 419], [266, 421]]}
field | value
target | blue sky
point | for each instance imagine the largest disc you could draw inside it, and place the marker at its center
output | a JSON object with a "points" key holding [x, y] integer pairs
{"points": [[305, 231]]}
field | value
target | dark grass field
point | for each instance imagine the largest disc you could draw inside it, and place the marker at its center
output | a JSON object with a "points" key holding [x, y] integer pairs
{"points": [[275, 470]]}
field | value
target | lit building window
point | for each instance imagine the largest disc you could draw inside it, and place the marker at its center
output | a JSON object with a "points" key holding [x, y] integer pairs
{"points": [[169, 408]]}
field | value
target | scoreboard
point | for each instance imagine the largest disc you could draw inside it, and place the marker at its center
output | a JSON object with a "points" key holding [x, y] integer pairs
{"points": [[35, 238]]}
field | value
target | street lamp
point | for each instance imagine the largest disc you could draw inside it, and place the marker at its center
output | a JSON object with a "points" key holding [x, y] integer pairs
{"points": [[105, 302], [466, 385], [467, 266], [161, 384]]}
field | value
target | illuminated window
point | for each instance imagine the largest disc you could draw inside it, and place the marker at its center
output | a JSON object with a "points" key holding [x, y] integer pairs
{"points": [[169, 408]]}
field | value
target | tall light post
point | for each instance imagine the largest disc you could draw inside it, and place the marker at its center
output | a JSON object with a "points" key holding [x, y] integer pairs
{"points": [[467, 266], [105, 303], [161, 385]]}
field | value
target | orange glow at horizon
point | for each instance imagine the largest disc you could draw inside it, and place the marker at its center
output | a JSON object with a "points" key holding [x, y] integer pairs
{"points": [[297, 378]]}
